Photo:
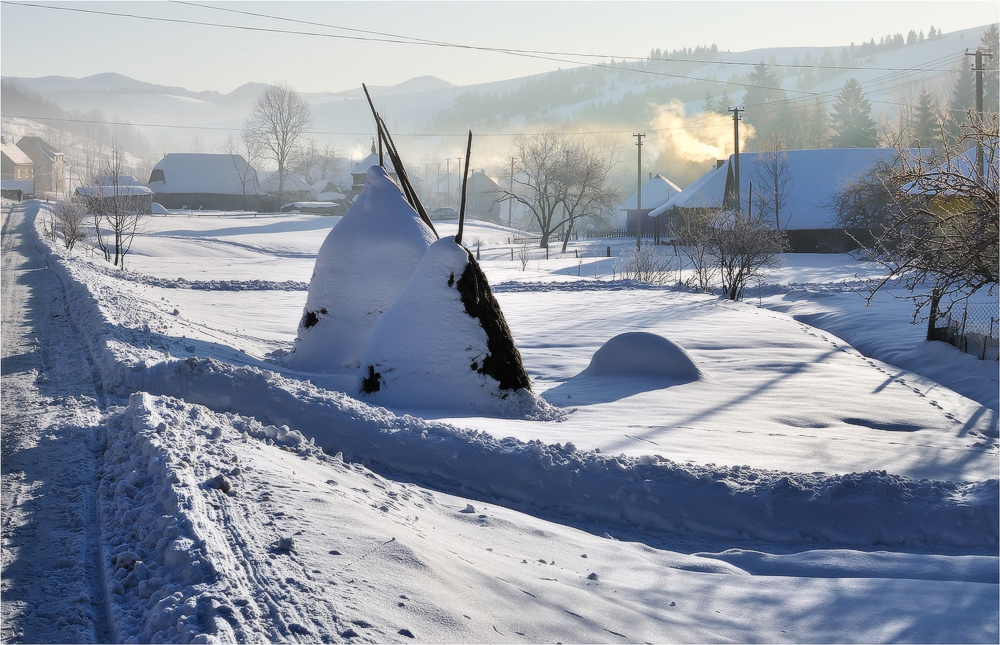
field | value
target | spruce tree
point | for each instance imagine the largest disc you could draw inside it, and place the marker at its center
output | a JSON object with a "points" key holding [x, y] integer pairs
{"points": [[763, 92], [851, 120], [990, 43], [925, 125]]}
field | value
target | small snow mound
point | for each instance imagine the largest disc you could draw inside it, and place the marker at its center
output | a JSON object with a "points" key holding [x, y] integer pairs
{"points": [[640, 353]]}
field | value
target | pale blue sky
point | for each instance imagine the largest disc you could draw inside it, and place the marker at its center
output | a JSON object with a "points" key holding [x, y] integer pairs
{"points": [[36, 41]]}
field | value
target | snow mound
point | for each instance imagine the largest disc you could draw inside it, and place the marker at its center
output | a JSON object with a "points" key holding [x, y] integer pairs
{"points": [[444, 343], [362, 267], [640, 353]]}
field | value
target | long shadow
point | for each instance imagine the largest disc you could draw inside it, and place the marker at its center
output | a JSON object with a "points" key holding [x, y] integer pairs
{"points": [[583, 389], [276, 227]]}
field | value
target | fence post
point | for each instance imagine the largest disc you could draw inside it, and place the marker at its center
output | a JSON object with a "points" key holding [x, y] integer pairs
{"points": [[965, 342]]}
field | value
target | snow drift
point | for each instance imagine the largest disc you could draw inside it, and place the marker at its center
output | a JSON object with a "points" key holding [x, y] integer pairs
{"points": [[640, 353], [361, 268]]}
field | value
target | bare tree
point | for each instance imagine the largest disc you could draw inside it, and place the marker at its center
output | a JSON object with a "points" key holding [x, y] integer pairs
{"points": [[940, 228], [650, 264], [589, 191], [117, 208], [773, 180], [694, 235], [559, 181], [67, 221], [743, 247], [277, 120], [248, 147]]}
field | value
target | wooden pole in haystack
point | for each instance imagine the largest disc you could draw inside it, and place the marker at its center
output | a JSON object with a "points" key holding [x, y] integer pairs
{"points": [[465, 184], [404, 181]]}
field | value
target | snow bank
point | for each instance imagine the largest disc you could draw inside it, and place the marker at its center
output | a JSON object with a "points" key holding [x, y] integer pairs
{"points": [[640, 353], [163, 574], [431, 348], [361, 268]]}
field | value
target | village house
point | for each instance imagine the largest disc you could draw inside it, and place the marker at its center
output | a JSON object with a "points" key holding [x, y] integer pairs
{"points": [[110, 194], [201, 181], [17, 172], [49, 166], [655, 193], [814, 179]]}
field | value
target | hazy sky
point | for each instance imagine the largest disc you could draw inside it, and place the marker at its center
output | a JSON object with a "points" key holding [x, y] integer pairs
{"points": [[39, 40]]}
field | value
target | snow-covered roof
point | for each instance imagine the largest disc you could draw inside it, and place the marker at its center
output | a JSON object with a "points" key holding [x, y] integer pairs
{"points": [[815, 178], [15, 154], [372, 160], [655, 193], [41, 145], [104, 191], [964, 165], [202, 173], [293, 183], [122, 180]]}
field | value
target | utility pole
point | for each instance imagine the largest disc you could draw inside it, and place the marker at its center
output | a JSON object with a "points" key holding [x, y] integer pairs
{"points": [[978, 69], [510, 202], [447, 174], [736, 156], [638, 196]]}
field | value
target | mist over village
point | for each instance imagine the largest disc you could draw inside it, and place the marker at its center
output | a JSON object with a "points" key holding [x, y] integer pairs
{"points": [[500, 322]]}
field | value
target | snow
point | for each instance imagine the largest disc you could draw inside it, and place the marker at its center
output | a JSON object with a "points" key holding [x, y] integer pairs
{"points": [[362, 267], [814, 178], [805, 489], [639, 353], [655, 192], [197, 173]]}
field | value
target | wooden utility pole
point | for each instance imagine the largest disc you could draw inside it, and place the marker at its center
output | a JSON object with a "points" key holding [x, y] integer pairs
{"points": [[736, 155], [978, 69], [510, 202], [638, 196]]}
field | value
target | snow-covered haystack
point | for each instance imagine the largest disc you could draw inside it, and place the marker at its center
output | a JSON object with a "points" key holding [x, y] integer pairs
{"points": [[362, 266], [445, 343], [640, 353]]}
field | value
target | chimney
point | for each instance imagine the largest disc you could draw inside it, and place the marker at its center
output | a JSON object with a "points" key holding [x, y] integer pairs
{"points": [[718, 163]]}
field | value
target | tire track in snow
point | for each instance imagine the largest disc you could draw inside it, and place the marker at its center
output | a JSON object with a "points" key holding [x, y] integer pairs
{"points": [[51, 580]]}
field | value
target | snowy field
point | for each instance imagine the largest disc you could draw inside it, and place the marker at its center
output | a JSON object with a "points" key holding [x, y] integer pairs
{"points": [[830, 478]]}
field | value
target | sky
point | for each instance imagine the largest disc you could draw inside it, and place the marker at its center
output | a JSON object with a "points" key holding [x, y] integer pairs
{"points": [[331, 46]]}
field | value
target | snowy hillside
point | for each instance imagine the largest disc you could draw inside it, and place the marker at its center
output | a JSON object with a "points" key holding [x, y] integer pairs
{"points": [[798, 488], [611, 95]]}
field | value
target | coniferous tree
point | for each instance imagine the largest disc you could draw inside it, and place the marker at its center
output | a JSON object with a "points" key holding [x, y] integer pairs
{"points": [[990, 42], [925, 125], [963, 94], [763, 92], [851, 120], [818, 126]]}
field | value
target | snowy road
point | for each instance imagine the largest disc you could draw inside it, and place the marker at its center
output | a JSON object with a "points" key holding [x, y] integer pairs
{"points": [[50, 577]]}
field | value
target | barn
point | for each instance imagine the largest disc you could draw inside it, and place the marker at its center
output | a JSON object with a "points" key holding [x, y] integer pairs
{"points": [[201, 181]]}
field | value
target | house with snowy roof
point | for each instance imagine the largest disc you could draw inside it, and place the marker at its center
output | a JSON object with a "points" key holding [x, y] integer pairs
{"points": [[815, 178], [201, 181], [17, 172], [655, 193], [325, 190], [296, 189], [111, 193], [49, 165], [360, 170]]}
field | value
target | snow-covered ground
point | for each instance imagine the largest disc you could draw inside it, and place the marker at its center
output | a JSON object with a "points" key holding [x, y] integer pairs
{"points": [[823, 481]]}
